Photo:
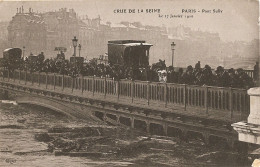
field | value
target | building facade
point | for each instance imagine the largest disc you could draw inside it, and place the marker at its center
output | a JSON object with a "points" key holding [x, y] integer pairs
{"points": [[43, 32]]}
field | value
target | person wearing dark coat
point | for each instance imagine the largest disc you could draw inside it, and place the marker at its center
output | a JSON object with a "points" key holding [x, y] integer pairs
{"points": [[233, 78], [256, 71], [170, 74], [244, 80], [219, 79], [197, 65], [180, 73]]}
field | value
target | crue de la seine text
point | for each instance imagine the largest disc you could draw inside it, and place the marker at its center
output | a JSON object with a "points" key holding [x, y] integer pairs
{"points": [[137, 10]]}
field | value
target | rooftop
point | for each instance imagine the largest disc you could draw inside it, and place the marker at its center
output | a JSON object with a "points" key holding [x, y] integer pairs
{"points": [[125, 41], [137, 44]]}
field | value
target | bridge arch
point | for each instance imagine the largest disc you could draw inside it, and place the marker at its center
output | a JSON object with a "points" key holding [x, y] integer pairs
{"points": [[54, 105]]}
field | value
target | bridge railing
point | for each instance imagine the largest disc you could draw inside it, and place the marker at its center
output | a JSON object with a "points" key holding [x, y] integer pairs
{"points": [[230, 101], [59, 80], [77, 83], [125, 88], [34, 78], [195, 96], [88, 84], [42, 78], [99, 85], [176, 94], [67, 82], [157, 91], [111, 86], [16, 75], [140, 90]]}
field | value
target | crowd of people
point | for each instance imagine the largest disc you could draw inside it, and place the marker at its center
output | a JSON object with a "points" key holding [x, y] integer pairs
{"points": [[207, 76], [158, 72]]}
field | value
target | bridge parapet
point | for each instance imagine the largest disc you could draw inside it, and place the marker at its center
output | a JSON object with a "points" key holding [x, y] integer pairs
{"points": [[214, 102]]}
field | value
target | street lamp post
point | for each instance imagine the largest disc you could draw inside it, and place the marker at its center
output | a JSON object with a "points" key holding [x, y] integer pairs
{"points": [[172, 46], [79, 49], [74, 43], [23, 51]]}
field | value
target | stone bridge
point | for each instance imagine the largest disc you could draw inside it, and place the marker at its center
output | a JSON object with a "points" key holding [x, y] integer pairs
{"points": [[157, 108]]}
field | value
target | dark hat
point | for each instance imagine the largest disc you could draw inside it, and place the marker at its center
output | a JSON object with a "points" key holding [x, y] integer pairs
{"points": [[239, 70], [189, 67], [220, 68], [231, 70], [207, 67]]}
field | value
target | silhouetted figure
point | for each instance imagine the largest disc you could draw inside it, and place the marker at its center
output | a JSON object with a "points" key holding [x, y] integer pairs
{"points": [[180, 73], [256, 71], [197, 66]]}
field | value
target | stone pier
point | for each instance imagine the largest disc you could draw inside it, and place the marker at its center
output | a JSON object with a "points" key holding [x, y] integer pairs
{"points": [[249, 131]]}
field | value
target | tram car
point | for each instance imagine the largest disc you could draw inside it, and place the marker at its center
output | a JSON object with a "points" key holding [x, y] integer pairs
{"points": [[12, 53], [11, 58], [130, 53]]}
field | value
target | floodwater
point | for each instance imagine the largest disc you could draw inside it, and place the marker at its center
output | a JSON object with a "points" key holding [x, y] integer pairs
{"points": [[19, 146]]}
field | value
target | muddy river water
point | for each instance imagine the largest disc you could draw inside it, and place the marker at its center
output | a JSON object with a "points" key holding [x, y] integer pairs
{"points": [[35, 136]]}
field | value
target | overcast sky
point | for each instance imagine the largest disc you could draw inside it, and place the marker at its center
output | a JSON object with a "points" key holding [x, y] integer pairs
{"points": [[238, 20]]}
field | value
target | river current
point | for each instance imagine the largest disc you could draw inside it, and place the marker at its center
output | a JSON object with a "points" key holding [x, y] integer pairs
{"points": [[120, 146]]}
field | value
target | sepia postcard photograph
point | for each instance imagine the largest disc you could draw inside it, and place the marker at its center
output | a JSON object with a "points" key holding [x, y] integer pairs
{"points": [[129, 83]]}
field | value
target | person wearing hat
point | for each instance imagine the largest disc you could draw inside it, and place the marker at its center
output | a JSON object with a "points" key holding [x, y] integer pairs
{"points": [[180, 76], [210, 78], [189, 68], [172, 76], [188, 76], [233, 78], [219, 76], [219, 70], [197, 66], [244, 81]]}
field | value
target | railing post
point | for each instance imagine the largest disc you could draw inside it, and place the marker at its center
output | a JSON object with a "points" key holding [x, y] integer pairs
{"points": [[81, 84], [184, 97], [105, 87], [3, 75], [72, 83], [132, 120], [19, 76], [114, 86], [39, 74], [31, 77], [8, 74], [54, 81], [117, 87], [62, 82], [14, 75], [93, 85], [206, 99], [147, 126], [231, 102], [46, 80], [148, 92], [165, 94], [25, 76], [132, 90]]}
